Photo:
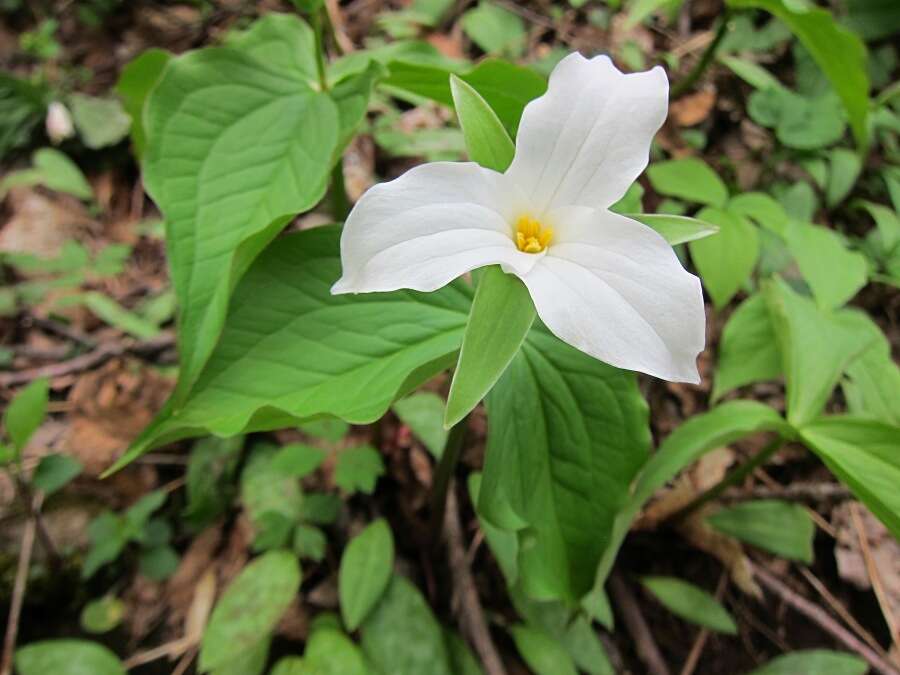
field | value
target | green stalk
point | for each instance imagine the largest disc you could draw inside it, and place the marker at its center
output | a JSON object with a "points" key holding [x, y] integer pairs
{"points": [[686, 84], [315, 19], [443, 476], [735, 476]]}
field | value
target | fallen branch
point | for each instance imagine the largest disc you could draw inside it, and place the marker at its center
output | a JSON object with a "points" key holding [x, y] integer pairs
{"points": [[91, 359], [821, 618], [471, 615], [637, 626]]}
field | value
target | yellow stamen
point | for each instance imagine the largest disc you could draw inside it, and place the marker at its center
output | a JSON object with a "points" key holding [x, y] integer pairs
{"points": [[531, 236]]}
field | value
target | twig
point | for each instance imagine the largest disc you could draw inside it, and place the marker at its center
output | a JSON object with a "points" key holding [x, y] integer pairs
{"points": [[841, 611], [685, 85], [32, 503], [89, 360], [800, 492], [874, 575], [821, 618], [18, 594], [61, 329], [637, 627], [693, 658], [471, 619]]}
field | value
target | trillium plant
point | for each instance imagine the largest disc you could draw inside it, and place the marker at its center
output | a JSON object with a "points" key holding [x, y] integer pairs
{"points": [[523, 297]]}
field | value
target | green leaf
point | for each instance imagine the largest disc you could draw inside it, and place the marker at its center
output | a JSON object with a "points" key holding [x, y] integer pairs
{"points": [[834, 273], [586, 649], [138, 78], [872, 19], [101, 122], [503, 543], [843, 171], [112, 313], [283, 42], [641, 9], [388, 343], [676, 229], [543, 654], [781, 528], [351, 96], [690, 179], [358, 469], [501, 315], [297, 460], [67, 657], [815, 347], [567, 434], [22, 107], [54, 472], [54, 170], [210, 473], [720, 426], [266, 489], [25, 412], [250, 608], [863, 454], [365, 572], [402, 637], [691, 603], [748, 352], [873, 385], [505, 87], [327, 428], [487, 142], [725, 261], [762, 209], [102, 615], [462, 660], [814, 662], [423, 413], [291, 665], [801, 122], [224, 199], [750, 72], [495, 29], [158, 563], [330, 652], [309, 542], [108, 535], [320, 508], [840, 54], [249, 662]]}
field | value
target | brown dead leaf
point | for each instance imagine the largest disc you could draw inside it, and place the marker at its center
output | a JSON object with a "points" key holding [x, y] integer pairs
{"points": [[110, 407], [41, 223], [692, 109], [183, 586]]}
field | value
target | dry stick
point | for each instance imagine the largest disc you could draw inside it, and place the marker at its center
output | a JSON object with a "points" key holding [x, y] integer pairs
{"points": [[874, 576], [89, 360], [472, 622], [823, 620], [637, 626], [841, 611], [690, 664], [813, 492], [18, 595]]}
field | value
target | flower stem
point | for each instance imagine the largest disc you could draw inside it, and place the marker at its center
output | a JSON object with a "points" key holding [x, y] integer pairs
{"points": [[684, 85], [340, 202], [315, 19], [442, 478], [734, 477]]}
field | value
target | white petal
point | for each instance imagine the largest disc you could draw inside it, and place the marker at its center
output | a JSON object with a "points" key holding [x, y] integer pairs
{"points": [[588, 138], [431, 225], [613, 288]]}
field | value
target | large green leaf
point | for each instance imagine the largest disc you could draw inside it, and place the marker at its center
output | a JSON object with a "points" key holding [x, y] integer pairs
{"points": [[566, 435], [725, 261], [227, 182], [834, 273], [67, 657], [248, 611], [782, 528], [135, 83], [873, 385], [283, 42], [487, 142], [689, 178], [700, 434], [501, 316], [748, 352], [691, 603], [840, 54], [816, 347], [402, 637], [290, 350], [863, 454], [506, 87], [365, 572]]}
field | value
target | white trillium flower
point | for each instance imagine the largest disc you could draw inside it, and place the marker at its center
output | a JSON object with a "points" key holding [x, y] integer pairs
{"points": [[606, 284]]}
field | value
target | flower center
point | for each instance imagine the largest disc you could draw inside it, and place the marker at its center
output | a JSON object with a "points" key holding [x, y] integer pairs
{"points": [[531, 236]]}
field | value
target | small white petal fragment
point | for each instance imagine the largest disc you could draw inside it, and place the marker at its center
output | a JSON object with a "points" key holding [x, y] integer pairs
{"points": [[588, 138], [431, 225], [59, 123], [613, 288]]}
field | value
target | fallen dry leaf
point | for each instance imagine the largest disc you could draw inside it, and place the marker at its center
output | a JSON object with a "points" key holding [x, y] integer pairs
{"points": [[692, 109]]}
